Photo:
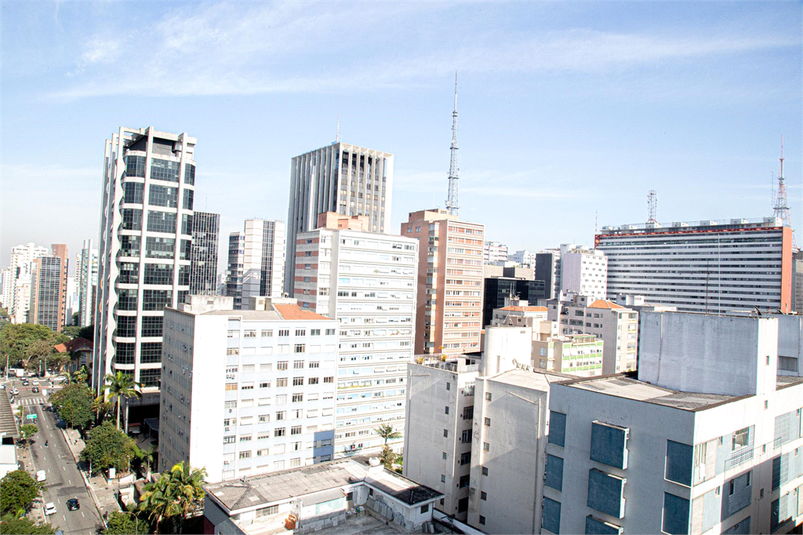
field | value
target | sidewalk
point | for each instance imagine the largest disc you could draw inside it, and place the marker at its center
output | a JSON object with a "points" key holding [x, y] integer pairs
{"points": [[102, 492], [37, 513]]}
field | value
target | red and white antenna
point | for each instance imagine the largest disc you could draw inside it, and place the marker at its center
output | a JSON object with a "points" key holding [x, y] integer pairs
{"points": [[652, 206]]}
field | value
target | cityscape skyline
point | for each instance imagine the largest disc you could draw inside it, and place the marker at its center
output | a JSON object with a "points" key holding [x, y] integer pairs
{"points": [[577, 110]]}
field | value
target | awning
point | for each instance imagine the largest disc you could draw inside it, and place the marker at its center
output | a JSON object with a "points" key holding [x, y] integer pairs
{"points": [[323, 496]]}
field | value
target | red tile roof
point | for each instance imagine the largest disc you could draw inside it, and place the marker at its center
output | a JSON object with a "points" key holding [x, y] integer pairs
{"points": [[76, 344], [293, 312], [601, 303]]}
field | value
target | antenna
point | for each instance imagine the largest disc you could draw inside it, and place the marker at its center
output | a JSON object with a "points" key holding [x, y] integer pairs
{"points": [[781, 208], [337, 136], [652, 206], [452, 205]]}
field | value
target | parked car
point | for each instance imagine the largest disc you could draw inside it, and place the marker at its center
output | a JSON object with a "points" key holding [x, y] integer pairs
{"points": [[35, 390], [25, 382], [50, 508], [41, 475], [35, 382], [73, 505], [15, 392]]}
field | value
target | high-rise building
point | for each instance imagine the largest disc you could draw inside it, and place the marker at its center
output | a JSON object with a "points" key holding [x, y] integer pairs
{"points": [[256, 261], [48, 300], [498, 289], [6, 289], [341, 178], [246, 392], [366, 280], [706, 266], [144, 255], [523, 258], [547, 269], [203, 253], [583, 271], [494, 253], [87, 278], [449, 314], [20, 291], [797, 281]]}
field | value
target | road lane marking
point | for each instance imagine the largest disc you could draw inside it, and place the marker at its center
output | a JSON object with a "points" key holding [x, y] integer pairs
{"points": [[82, 514]]}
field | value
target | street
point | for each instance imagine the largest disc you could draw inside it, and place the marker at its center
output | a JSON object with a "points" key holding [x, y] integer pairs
{"points": [[64, 481]]}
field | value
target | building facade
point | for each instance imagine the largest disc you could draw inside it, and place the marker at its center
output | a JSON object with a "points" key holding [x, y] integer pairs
{"points": [[19, 299], [341, 178], [86, 278], [204, 253], [547, 269], [494, 253], [450, 284], [706, 266], [246, 392], [523, 258], [366, 281], [583, 271], [497, 290], [144, 255], [256, 261], [48, 292]]}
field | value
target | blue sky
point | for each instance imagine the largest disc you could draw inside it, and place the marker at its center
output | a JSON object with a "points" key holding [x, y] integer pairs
{"points": [[567, 109]]}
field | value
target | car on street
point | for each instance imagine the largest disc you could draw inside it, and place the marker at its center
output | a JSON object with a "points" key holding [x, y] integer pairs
{"points": [[41, 475], [25, 382], [15, 392], [50, 508], [35, 382], [35, 390], [73, 505]]}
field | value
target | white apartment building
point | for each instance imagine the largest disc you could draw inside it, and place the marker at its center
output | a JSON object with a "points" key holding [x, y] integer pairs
{"points": [[708, 440], [6, 289], [256, 261], [584, 271], [86, 280], [367, 282], [143, 256], [439, 415], [523, 258], [614, 324], [246, 392], [494, 253], [20, 285], [341, 178], [702, 266]]}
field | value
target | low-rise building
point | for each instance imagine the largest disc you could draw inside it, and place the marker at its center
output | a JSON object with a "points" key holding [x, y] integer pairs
{"points": [[246, 392], [576, 354]]}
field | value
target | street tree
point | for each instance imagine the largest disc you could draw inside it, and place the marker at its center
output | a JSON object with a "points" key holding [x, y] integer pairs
{"points": [[108, 447], [87, 333], [16, 524], [102, 408], [26, 432], [22, 342], [121, 385], [18, 490], [122, 523], [73, 403], [71, 331]]}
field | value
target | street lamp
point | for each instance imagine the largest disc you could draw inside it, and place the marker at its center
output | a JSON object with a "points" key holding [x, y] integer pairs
{"points": [[132, 514]]}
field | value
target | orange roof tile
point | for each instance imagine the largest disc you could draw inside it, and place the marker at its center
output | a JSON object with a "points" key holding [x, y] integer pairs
{"points": [[293, 312], [601, 303]]}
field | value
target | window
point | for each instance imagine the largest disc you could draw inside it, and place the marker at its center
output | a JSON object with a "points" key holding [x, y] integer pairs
{"points": [[245, 438], [488, 422], [281, 365], [314, 364], [284, 332], [245, 455], [298, 398], [488, 396], [679, 462], [281, 382], [228, 439], [444, 455], [483, 496], [464, 481], [295, 430], [445, 433], [312, 381], [161, 222], [446, 409], [300, 348], [486, 446], [550, 519], [279, 432], [443, 478], [280, 415], [557, 428], [676, 515], [609, 444], [554, 472], [605, 492], [485, 470], [741, 438], [424, 508], [298, 381], [482, 520]]}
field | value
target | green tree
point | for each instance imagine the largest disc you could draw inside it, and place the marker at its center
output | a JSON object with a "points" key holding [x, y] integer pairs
{"points": [[25, 341], [26, 432], [71, 331], [387, 432], [388, 457], [102, 408], [121, 385], [14, 524], [73, 403], [144, 458], [18, 490], [175, 495], [108, 447], [87, 333], [123, 524], [80, 376]]}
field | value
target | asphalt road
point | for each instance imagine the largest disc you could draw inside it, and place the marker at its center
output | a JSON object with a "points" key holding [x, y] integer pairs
{"points": [[64, 481]]}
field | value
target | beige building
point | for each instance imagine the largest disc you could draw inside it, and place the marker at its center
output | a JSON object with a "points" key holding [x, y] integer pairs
{"points": [[450, 283]]}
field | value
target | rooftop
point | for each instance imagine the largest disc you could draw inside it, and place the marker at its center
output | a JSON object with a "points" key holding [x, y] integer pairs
{"points": [[622, 386], [685, 226], [524, 309], [76, 344], [8, 426], [601, 303], [294, 312], [537, 379]]}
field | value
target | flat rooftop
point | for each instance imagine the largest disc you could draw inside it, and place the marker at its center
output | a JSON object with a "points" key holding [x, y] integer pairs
{"points": [[622, 386], [537, 379]]}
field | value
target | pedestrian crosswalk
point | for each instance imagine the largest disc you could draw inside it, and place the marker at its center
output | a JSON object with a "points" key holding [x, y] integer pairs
{"points": [[30, 401]]}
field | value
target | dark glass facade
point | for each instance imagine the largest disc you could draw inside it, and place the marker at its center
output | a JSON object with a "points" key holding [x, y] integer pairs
{"points": [[497, 289]]}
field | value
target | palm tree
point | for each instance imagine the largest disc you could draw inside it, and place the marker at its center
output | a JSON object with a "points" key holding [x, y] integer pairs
{"points": [[157, 501], [387, 432], [121, 385], [101, 407], [176, 494], [145, 457], [188, 483]]}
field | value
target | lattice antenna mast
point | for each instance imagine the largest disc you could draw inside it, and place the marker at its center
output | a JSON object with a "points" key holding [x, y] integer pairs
{"points": [[652, 206], [781, 208], [452, 205]]}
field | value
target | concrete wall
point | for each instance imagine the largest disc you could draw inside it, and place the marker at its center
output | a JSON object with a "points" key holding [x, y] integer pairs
{"points": [[503, 345]]}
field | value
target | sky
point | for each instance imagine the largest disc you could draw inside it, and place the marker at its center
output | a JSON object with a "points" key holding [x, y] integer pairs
{"points": [[569, 112]]}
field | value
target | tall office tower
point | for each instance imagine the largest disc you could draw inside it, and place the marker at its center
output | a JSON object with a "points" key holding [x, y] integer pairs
{"points": [[341, 178], [143, 264], [366, 280], [494, 253], [449, 314], [20, 292], [49, 289], [583, 271], [256, 261], [797, 281], [547, 269], [706, 266], [87, 278], [247, 392], [6, 289], [203, 253]]}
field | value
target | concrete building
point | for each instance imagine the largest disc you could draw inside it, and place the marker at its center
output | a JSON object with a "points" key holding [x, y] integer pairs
{"points": [[523, 258], [341, 178], [256, 261], [320, 498], [143, 260], [366, 281], [246, 392], [48, 300], [204, 253], [797, 281], [705, 441], [614, 324], [547, 269], [440, 412], [575, 354], [706, 266], [583, 271], [20, 286], [6, 289], [449, 314], [86, 278], [494, 253], [498, 290]]}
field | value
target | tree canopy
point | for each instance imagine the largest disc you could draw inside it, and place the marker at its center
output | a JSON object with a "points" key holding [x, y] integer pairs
{"points": [[174, 495], [108, 447], [13, 524], [18, 490], [87, 333], [27, 431], [74, 404], [123, 524], [121, 385], [387, 432], [24, 342]]}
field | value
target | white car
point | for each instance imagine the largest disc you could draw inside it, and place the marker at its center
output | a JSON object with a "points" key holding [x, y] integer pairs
{"points": [[35, 382], [41, 475], [50, 508]]}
